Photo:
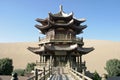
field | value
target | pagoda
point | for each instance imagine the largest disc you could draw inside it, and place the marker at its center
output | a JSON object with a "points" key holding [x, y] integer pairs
{"points": [[61, 46]]}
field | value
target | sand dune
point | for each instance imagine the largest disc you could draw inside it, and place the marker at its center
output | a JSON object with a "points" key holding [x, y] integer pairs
{"points": [[104, 50], [19, 53]]}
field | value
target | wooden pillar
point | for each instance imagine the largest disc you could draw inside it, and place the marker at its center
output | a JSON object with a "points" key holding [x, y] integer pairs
{"points": [[70, 61], [50, 59], [70, 36], [80, 58], [44, 59], [40, 58], [78, 61]]}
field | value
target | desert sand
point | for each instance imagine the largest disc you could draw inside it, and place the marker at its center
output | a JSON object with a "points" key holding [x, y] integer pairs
{"points": [[95, 60]]}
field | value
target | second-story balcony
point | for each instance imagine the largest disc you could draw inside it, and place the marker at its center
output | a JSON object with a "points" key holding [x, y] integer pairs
{"points": [[64, 40]]}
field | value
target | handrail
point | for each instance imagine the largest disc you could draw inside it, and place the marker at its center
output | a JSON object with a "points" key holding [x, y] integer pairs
{"points": [[33, 77], [41, 75], [78, 75]]}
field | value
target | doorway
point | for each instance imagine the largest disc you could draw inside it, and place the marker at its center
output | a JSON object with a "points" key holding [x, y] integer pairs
{"points": [[60, 61]]}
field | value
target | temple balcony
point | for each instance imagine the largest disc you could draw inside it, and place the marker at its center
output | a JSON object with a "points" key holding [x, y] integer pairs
{"points": [[77, 40]]}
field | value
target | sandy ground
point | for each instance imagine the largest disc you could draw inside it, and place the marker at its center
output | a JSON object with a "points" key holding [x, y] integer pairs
{"points": [[95, 60]]}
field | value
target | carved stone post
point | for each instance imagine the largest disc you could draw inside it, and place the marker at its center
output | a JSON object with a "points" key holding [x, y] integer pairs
{"points": [[14, 76], [36, 74], [44, 72], [49, 71], [104, 77]]}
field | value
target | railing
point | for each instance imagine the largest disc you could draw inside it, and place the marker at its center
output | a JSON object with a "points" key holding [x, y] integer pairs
{"points": [[43, 75], [46, 40], [42, 64], [78, 76]]}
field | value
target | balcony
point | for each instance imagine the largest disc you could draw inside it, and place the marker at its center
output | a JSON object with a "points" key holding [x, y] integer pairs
{"points": [[64, 40]]}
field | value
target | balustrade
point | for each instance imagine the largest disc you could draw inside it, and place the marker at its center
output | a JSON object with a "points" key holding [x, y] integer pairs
{"points": [[42, 75], [46, 40], [77, 75]]}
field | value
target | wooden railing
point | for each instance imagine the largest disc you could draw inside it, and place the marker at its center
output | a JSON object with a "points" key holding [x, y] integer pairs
{"points": [[77, 39], [78, 76], [43, 75]]}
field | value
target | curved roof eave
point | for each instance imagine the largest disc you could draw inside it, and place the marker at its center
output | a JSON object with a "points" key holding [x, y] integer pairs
{"points": [[36, 50], [61, 16], [62, 24], [84, 50], [42, 27], [58, 48], [79, 21], [42, 21]]}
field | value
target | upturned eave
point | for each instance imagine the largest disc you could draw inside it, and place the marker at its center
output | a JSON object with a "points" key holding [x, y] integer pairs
{"points": [[36, 50], [60, 16], [42, 21], [71, 22], [79, 21], [84, 50]]}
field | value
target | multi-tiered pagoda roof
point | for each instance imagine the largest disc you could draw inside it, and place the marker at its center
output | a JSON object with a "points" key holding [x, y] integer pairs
{"points": [[63, 21]]}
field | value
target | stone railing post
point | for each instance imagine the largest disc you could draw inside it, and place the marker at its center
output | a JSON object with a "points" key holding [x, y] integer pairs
{"points": [[14, 76], [49, 71], [36, 74], [104, 77], [44, 72]]}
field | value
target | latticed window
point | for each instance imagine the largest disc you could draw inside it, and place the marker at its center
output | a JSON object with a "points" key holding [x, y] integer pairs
{"points": [[60, 36]]}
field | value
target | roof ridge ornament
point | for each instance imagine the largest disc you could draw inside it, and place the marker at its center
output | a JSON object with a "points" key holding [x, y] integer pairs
{"points": [[61, 8]]}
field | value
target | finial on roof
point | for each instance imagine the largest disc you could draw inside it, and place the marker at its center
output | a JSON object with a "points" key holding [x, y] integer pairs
{"points": [[61, 8]]}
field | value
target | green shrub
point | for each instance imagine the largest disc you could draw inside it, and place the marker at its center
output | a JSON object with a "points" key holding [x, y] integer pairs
{"points": [[96, 76], [30, 67], [6, 67], [20, 72], [113, 67]]}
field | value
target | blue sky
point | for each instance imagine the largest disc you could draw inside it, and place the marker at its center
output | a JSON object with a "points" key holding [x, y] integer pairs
{"points": [[17, 18]]}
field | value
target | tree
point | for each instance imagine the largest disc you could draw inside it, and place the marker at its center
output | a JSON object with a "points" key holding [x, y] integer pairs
{"points": [[113, 67], [6, 67], [30, 67]]}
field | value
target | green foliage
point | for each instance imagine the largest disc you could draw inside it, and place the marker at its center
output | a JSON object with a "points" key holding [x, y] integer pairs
{"points": [[113, 67], [6, 67], [30, 67], [96, 76], [20, 72]]}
